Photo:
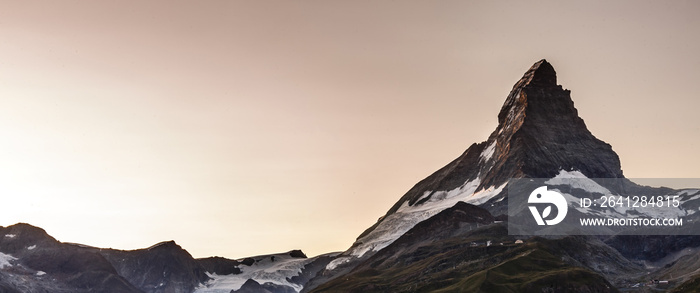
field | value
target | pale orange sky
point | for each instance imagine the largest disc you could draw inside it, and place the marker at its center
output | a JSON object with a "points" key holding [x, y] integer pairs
{"points": [[247, 127]]}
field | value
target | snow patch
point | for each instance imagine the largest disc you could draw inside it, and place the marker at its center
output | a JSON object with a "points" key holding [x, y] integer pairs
{"points": [[31, 247], [407, 216], [40, 273], [485, 195], [338, 261], [264, 270], [582, 182], [5, 260], [688, 192], [220, 284], [425, 195], [10, 236], [488, 152]]}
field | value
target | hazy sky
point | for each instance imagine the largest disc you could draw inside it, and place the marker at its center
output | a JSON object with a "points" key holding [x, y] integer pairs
{"points": [[247, 127]]}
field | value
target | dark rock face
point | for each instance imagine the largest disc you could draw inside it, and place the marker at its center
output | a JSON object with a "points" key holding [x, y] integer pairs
{"points": [[452, 221], [539, 133], [461, 219], [162, 268], [43, 264], [5, 288], [251, 286], [249, 261], [297, 253], [219, 265], [312, 269], [18, 237]]}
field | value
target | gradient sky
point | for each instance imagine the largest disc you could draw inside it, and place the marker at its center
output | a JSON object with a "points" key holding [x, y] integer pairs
{"points": [[239, 128]]}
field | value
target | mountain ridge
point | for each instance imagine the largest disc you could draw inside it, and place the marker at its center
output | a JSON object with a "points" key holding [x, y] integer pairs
{"points": [[33, 261]]}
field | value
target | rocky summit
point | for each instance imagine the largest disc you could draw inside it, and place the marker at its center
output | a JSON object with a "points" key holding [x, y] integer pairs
{"points": [[539, 133]]}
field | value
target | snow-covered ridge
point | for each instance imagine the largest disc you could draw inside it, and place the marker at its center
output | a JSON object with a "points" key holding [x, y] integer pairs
{"points": [[264, 270], [407, 216]]}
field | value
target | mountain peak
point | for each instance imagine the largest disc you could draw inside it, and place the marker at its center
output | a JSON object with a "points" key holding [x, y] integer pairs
{"points": [[541, 76], [539, 134], [165, 245], [542, 73]]}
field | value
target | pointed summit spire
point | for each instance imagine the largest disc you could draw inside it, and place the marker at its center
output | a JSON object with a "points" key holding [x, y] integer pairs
{"points": [[542, 73], [539, 134]]}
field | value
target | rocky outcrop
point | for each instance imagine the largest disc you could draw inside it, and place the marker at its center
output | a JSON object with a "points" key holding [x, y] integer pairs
{"points": [[220, 266], [39, 263], [297, 253], [164, 267], [251, 286]]}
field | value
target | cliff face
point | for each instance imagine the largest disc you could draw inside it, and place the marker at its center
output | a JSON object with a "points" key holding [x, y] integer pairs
{"points": [[540, 133], [164, 267]]}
